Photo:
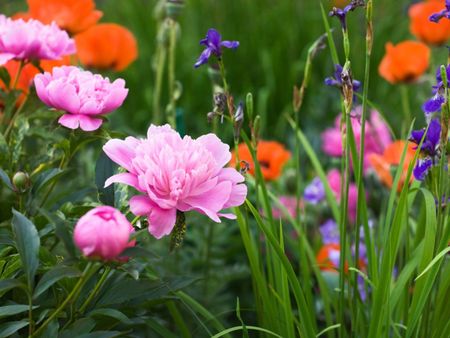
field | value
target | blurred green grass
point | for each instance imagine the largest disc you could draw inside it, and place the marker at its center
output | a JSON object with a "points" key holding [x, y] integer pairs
{"points": [[274, 37]]}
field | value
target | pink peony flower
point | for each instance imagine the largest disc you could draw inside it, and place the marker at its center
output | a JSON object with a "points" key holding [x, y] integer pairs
{"points": [[82, 95], [103, 232], [173, 173], [334, 179], [30, 40], [377, 135]]}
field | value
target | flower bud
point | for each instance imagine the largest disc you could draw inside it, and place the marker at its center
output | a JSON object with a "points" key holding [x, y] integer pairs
{"points": [[103, 232], [21, 181]]}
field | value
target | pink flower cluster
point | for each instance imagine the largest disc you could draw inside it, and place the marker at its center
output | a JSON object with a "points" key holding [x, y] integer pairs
{"points": [[173, 173], [30, 40], [377, 135], [104, 233], [82, 95], [334, 179]]}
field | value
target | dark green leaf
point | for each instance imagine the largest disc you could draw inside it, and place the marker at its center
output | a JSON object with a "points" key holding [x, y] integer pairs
{"points": [[61, 230], [10, 310], [27, 242], [104, 169], [4, 150], [46, 178], [81, 326], [101, 334], [8, 284], [113, 313], [5, 77], [54, 275], [5, 179], [7, 329]]}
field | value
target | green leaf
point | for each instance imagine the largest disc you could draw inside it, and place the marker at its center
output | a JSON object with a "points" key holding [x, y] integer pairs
{"points": [[81, 326], [434, 261], [27, 242], [52, 276], [46, 178], [5, 179], [113, 313], [8, 284], [101, 334], [239, 328], [10, 310], [7, 329], [104, 169], [61, 230], [5, 77], [4, 150]]}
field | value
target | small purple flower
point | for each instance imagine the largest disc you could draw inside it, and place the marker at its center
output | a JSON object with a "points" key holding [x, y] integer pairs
{"points": [[330, 232], [336, 81], [434, 104], [315, 191], [445, 13], [430, 144], [341, 14], [214, 44], [422, 167]]}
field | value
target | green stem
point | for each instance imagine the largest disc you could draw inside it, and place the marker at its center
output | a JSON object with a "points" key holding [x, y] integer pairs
{"points": [[225, 87], [406, 109], [30, 315], [208, 258], [161, 61], [97, 287], [171, 113], [19, 71], [69, 298]]}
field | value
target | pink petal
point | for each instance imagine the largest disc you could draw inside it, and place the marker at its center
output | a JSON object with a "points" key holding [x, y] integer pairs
{"points": [[5, 57], [63, 96], [41, 90], [88, 123], [116, 96], [219, 150], [162, 221], [125, 178], [237, 196], [141, 205], [122, 151], [70, 121]]}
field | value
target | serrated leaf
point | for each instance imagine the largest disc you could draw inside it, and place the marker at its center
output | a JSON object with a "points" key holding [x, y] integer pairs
{"points": [[5, 179], [27, 243], [104, 169], [54, 275], [10, 310], [7, 329]]}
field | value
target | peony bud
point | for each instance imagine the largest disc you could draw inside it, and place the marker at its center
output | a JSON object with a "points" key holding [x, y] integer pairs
{"points": [[21, 181], [103, 233]]}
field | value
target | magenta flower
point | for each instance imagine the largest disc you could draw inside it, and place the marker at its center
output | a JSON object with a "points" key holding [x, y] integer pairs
{"points": [[334, 179], [377, 135], [104, 233], [84, 96], [173, 173], [32, 40]]}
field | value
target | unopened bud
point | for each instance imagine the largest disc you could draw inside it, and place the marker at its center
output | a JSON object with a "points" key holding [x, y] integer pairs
{"points": [[174, 8], [21, 181], [238, 120]]}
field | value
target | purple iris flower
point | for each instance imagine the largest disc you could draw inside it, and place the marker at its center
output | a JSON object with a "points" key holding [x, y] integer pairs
{"points": [[315, 191], [445, 13], [422, 167], [330, 232], [434, 104], [430, 144], [341, 14], [337, 79], [214, 44]]}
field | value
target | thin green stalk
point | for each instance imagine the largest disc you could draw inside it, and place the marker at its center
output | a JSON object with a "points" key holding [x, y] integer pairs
{"points": [[19, 71], [160, 65], [225, 87], [171, 68], [97, 287], [208, 258], [181, 325], [406, 108], [68, 299]]}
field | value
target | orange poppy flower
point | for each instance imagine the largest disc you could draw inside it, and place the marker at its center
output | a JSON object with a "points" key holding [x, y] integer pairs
{"points": [[405, 62], [47, 65], [382, 164], [106, 46], [271, 155], [423, 29], [73, 16], [23, 82], [328, 258]]}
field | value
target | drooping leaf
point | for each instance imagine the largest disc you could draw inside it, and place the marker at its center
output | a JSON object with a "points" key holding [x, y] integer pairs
{"points": [[10, 310], [104, 169], [46, 178], [7, 329], [5, 179], [27, 243], [52, 276], [8, 284], [112, 313]]}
